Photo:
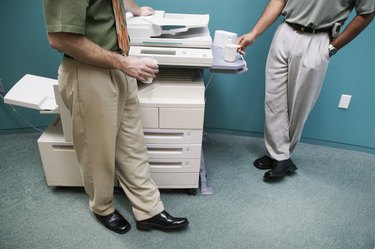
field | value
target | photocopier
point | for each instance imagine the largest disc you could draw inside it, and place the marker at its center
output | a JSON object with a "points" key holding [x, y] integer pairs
{"points": [[172, 105]]}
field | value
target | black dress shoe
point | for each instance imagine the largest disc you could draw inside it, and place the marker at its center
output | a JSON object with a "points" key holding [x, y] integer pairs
{"points": [[264, 162], [280, 169], [162, 221], [115, 222]]}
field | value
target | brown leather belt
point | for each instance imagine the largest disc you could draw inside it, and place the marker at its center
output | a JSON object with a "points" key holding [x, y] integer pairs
{"points": [[304, 29]]}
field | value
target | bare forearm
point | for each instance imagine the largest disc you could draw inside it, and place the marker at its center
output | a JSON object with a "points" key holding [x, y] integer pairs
{"points": [[354, 28], [271, 13], [133, 7], [83, 50]]}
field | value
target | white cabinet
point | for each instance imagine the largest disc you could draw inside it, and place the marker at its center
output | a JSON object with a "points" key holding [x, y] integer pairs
{"points": [[172, 116]]}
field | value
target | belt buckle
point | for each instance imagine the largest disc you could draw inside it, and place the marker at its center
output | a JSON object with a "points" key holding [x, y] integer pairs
{"points": [[298, 28]]}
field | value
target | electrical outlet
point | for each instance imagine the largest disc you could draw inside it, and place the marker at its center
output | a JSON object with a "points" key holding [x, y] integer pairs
{"points": [[2, 90], [344, 101]]}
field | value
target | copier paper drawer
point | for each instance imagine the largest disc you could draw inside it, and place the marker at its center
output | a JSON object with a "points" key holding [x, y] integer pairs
{"points": [[166, 136], [59, 158], [174, 150], [174, 165], [176, 180], [60, 164]]}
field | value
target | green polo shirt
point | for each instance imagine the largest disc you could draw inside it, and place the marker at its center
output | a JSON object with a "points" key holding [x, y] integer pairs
{"points": [[94, 19], [320, 14]]}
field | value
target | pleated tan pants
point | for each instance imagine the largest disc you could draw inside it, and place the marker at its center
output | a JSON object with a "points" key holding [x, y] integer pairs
{"points": [[295, 71], [108, 137]]}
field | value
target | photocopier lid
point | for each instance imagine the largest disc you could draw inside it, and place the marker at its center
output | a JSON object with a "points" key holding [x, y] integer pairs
{"points": [[169, 30]]}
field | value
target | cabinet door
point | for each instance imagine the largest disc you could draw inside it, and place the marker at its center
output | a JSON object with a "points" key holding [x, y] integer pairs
{"points": [[181, 118], [150, 117]]}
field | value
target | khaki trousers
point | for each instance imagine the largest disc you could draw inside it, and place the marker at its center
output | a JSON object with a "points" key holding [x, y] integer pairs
{"points": [[295, 71], [108, 137]]}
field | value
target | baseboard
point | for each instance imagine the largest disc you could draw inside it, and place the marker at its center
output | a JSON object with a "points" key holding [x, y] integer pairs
{"points": [[21, 130], [332, 144]]}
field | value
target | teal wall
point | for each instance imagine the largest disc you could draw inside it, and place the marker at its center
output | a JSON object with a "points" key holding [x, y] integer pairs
{"points": [[234, 103], [23, 49]]}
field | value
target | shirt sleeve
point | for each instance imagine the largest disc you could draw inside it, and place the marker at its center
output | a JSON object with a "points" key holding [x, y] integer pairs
{"points": [[65, 15], [364, 6]]}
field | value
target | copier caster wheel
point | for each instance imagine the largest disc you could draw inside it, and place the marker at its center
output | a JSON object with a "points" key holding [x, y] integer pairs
{"points": [[191, 191]]}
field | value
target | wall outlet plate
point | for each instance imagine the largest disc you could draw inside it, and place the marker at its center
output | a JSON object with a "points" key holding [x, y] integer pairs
{"points": [[344, 101]]}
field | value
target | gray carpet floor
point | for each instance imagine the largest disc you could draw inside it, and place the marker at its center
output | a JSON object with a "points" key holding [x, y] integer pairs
{"points": [[328, 203]]}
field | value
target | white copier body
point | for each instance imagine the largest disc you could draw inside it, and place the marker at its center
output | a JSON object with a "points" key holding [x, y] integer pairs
{"points": [[172, 106]]}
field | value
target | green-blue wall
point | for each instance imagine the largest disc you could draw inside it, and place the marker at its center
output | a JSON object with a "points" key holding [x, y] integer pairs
{"points": [[234, 103]]}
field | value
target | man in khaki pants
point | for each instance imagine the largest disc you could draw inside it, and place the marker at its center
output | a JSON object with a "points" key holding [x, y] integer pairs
{"points": [[97, 81], [296, 66]]}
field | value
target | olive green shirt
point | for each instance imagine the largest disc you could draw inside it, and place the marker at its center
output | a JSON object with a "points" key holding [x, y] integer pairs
{"points": [[320, 14], [92, 18]]}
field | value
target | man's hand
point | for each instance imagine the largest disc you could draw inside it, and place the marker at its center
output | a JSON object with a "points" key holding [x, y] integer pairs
{"points": [[244, 41], [138, 68], [352, 30], [133, 7], [272, 11], [147, 11]]}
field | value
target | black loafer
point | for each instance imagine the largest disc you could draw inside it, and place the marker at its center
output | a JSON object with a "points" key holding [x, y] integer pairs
{"points": [[115, 222], [162, 221], [264, 162], [280, 169]]}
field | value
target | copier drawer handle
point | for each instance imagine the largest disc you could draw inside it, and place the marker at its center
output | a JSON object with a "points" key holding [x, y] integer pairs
{"points": [[164, 134], [168, 165], [63, 147], [165, 150]]}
